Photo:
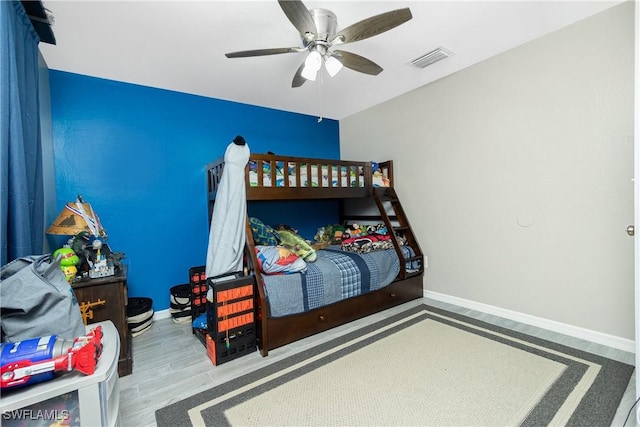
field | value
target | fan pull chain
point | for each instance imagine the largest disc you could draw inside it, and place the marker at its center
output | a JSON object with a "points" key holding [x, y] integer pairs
{"points": [[320, 95]]}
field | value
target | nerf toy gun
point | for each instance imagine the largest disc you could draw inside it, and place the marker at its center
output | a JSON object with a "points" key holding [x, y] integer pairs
{"points": [[35, 360]]}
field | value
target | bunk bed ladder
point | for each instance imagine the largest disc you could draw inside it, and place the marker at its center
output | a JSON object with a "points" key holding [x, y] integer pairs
{"points": [[396, 221]]}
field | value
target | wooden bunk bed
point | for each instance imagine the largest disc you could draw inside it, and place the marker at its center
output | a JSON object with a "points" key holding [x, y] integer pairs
{"points": [[275, 178]]}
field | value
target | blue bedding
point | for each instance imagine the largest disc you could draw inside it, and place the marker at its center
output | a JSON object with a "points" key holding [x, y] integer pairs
{"points": [[334, 276]]}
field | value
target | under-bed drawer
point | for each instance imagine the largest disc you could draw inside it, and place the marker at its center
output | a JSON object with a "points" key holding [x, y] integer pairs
{"points": [[283, 330]]}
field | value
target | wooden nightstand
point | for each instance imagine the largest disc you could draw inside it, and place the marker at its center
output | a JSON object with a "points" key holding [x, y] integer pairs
{"points": [[105, 298]]}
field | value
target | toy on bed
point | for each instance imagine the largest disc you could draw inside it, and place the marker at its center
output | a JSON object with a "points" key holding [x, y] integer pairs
{"points": [[355, 237], [331, 234], [379, 179], [297, 244], [284, 236]]}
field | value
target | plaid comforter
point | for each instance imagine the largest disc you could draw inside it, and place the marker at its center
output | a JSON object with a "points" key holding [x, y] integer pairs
{"points": [[334, 276]]}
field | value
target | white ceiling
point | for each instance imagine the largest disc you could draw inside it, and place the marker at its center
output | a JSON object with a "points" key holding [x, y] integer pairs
{"points": [[180, 46]]}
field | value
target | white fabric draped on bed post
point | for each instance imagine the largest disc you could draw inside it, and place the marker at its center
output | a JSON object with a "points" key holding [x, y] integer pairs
{"points": [[227, 232]]}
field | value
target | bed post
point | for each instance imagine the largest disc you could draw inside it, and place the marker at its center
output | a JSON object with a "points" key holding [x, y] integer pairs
{"points": [[262, 309]]}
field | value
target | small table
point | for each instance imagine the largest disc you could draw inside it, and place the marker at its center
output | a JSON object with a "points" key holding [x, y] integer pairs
{"points": [[105, 298], [88, 400]]}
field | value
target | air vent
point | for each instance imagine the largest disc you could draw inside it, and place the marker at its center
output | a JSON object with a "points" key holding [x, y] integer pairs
{"points": [[431, 57]]}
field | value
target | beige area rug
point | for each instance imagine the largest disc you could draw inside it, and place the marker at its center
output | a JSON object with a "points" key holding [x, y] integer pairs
{"points": [[423, 367]]}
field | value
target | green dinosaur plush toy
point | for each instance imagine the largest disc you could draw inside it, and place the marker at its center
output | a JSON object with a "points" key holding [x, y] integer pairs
{"points": [[297, 244]]}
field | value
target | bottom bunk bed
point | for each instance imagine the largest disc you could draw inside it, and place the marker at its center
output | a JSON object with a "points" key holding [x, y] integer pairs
{"points": [[338, 287]]}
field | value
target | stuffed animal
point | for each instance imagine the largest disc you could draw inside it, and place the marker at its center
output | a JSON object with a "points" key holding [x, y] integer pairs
{"points": [[297, 244], [286, 227], [353, 231], [379, 180], [333, 234], [369, 229], [330, 233], [321, 235]]}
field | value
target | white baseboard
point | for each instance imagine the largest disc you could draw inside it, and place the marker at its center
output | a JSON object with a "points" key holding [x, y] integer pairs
{"points": [[562, 328], [162, 314], [551, 325]]}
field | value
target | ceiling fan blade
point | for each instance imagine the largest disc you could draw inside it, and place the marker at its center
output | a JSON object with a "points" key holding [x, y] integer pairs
{"points": [[358, 63], [372, 26], [298, 80], [299, 16], [261, 52]]}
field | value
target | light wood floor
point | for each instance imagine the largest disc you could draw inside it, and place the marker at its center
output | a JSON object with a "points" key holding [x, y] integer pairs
{"points": [[170, 363]]}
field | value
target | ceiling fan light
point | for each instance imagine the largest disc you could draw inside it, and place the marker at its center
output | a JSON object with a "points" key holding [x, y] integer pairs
{"points": [[333, 65], [309, 73], [311, 65], [313, 61]]}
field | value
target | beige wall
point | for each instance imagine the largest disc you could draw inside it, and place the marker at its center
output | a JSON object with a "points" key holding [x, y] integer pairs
{"points": [[516, 174]]}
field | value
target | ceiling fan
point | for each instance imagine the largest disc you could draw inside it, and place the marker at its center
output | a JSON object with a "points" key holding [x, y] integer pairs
{"points": [[317, 28]]}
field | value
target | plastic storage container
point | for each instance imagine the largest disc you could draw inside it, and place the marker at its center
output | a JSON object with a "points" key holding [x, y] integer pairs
{"points": [[231, 319], [198, 283]]}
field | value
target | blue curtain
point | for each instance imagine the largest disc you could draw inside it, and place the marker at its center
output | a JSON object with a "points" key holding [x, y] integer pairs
{"points": [[21, 186]]}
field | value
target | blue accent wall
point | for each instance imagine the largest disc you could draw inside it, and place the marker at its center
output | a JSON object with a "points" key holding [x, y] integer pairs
{"points": [[138, 156]]}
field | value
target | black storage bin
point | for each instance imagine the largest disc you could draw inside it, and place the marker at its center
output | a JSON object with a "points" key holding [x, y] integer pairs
{"points": [[139, 315], [231, 319], [180, 303], [198, 285]]}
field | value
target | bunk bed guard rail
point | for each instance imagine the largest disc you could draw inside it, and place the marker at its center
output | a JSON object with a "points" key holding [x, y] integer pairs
{"points": [[286, 175]]}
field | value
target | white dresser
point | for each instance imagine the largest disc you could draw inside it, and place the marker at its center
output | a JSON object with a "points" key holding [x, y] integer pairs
{"points": [[81, 400]]}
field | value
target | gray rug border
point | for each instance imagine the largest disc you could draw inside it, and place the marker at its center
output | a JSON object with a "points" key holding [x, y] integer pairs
{"points": [[596, 409]]}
